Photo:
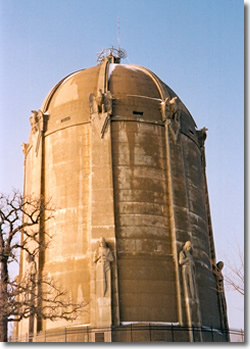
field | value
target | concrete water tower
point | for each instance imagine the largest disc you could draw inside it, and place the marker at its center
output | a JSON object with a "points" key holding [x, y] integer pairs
{"points": [[123, 161]]}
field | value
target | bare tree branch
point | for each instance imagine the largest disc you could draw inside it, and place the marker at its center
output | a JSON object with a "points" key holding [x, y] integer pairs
{"points": [[235, 276]]}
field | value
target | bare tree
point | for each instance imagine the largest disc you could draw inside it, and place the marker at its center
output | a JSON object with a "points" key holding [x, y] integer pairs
{"points": [[33, 293]]}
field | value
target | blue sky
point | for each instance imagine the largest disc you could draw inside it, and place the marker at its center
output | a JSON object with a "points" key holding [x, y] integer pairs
{"points": [[195, 46]]}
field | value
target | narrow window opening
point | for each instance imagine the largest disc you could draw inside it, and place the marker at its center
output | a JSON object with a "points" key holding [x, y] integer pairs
{"points": [[135, 112], [191, 131], [66, 119]]}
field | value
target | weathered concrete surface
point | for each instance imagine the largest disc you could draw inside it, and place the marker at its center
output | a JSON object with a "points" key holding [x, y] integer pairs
{"points": [[145, 261]]}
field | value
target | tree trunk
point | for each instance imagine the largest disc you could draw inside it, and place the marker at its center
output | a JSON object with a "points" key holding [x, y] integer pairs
{"points": [[3, 329], [3, 301]]}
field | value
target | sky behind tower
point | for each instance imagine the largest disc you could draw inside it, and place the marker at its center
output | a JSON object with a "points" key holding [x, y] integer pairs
{"points": [[195, 46]]}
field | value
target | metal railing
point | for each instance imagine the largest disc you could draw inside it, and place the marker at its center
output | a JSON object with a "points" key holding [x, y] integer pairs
{"points": [[135, 333]]}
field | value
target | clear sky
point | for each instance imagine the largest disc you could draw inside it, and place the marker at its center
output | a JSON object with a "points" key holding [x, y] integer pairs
{"points": [[195, 46]]}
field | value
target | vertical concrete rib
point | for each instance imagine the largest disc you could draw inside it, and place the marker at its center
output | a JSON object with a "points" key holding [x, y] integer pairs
{"points": [[172, 224], [102, 180]]}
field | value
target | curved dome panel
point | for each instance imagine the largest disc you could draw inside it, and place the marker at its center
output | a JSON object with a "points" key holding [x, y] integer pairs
{"points": [[139, 92], [124, 79], [68, 102]]}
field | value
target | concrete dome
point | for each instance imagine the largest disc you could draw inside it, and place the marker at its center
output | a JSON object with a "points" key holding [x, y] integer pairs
{"points": [[135, 87]]}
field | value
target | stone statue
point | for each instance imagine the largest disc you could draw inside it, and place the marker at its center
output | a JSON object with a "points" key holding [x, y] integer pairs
{"points": [[34, 121], [188, 270], [190, 291], [100, 109], [31, 270], [221, 293], [202, 135], [103, 257], [37, 122], [104, 102], [108, 102], [100, 100], [169, 107], [93, 105], [25, 149], [171, 114], [220, 277]]}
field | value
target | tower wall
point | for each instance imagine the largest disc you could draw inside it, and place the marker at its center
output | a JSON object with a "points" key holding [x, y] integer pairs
{"points": [[67, 176], [145, 260]]}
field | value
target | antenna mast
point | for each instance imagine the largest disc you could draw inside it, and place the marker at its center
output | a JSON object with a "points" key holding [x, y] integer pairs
{"points": [[114, 55], [118, 33]]}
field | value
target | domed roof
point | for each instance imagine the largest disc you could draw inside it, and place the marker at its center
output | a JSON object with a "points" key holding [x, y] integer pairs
{"points": [[129, 85]]}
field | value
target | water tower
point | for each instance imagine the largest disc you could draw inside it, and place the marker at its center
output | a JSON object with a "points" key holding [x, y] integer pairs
{"points": [[123, 161]]}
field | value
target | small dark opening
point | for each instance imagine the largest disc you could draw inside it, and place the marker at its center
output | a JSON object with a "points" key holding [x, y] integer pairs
{"points": [[135, 112], [99, 337], [191, 131], [65, 119]]}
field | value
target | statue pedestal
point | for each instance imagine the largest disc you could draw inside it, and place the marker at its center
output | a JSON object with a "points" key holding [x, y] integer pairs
{"points": [[103, 312]]}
